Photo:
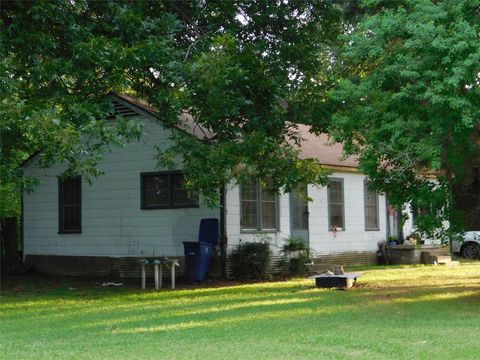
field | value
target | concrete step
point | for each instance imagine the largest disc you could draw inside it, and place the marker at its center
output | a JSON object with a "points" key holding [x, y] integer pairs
{"points": [[429, 258], [450, 263], [436, 250], [442, 259]]}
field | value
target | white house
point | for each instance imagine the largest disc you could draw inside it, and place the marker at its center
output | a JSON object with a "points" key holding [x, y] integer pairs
{"points": [[136, 210]]}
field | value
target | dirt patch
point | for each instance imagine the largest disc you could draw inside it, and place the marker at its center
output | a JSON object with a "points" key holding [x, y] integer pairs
{"points": [[33, 282]]}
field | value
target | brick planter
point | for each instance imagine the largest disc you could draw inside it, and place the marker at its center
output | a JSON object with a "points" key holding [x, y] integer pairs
{"points": [[410, 254]]}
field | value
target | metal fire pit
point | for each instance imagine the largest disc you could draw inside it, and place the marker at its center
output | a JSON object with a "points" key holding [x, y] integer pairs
{"points": [[344, 281]]}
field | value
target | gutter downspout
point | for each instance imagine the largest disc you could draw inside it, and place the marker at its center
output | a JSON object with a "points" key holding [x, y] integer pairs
{"points": [[387, 213], [223, 233]]}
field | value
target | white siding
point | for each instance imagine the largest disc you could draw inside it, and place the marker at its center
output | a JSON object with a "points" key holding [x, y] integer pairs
{"points": [[114, 225], [322, 241], [354, 237], [235, 235], [112, 222]]}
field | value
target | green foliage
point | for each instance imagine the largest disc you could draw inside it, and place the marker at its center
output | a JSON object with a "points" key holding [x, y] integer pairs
{"points": [[296, 254], [59, 60], [409, 102], [234, 66], [295, 244], [297, 266], [251, 260]]}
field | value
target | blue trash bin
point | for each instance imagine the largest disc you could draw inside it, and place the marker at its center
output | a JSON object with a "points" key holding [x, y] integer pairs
{"points": [[198, 255]]}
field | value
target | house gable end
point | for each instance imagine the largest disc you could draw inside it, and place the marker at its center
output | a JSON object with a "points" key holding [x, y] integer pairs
{"points": [[122, 107]]}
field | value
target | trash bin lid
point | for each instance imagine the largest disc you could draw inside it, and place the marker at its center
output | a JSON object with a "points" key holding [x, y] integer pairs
{"points": [[208, 231]]}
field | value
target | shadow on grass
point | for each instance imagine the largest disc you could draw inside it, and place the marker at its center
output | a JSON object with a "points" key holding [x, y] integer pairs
{"points": [[292, 309], [128, 312], [103, 304]]}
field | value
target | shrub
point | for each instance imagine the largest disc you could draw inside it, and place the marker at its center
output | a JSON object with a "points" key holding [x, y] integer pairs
{"points": [[295, 244], [251, 260], [296, 255]]}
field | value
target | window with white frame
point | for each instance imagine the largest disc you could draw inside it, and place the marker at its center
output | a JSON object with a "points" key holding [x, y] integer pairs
{"points": [[259, 206], [371, 208], [336, 209]]}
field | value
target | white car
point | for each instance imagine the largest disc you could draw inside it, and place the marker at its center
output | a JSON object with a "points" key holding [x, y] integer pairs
{"points": [[470, 247]]}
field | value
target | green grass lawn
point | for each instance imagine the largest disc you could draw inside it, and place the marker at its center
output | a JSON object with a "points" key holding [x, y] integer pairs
{"points": [[423, 312]]}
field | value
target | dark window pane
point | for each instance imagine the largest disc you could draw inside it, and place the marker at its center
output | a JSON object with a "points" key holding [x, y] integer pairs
{"points": [[166, 190], [335, 197], [180, 194], [259, 206], [335, 186], [70, 211], [268, 192], [70, 193], [269, 206], [336, 215], [249, 190], [249, 215], [156, 198], [371, 208], [269, 215], [72, 218], [249, 205], [155, 191], [155, 182], [299, 209]]}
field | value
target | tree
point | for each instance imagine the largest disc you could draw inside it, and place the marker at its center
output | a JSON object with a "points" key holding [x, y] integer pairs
{"points": [[409, 102], [234, 66], [57, 66]]}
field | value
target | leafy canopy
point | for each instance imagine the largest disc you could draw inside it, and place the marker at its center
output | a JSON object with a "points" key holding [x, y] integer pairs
{"points": [[409, 101], [233, 65]]}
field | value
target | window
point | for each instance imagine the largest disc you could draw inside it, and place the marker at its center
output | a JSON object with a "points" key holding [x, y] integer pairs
{"points": [[259, 205], [70, 205], [336, 212], [165, 190], [299, 208], [371, 208]]}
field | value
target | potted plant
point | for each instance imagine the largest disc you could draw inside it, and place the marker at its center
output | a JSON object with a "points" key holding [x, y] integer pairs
{"points": [[392, 240]]}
